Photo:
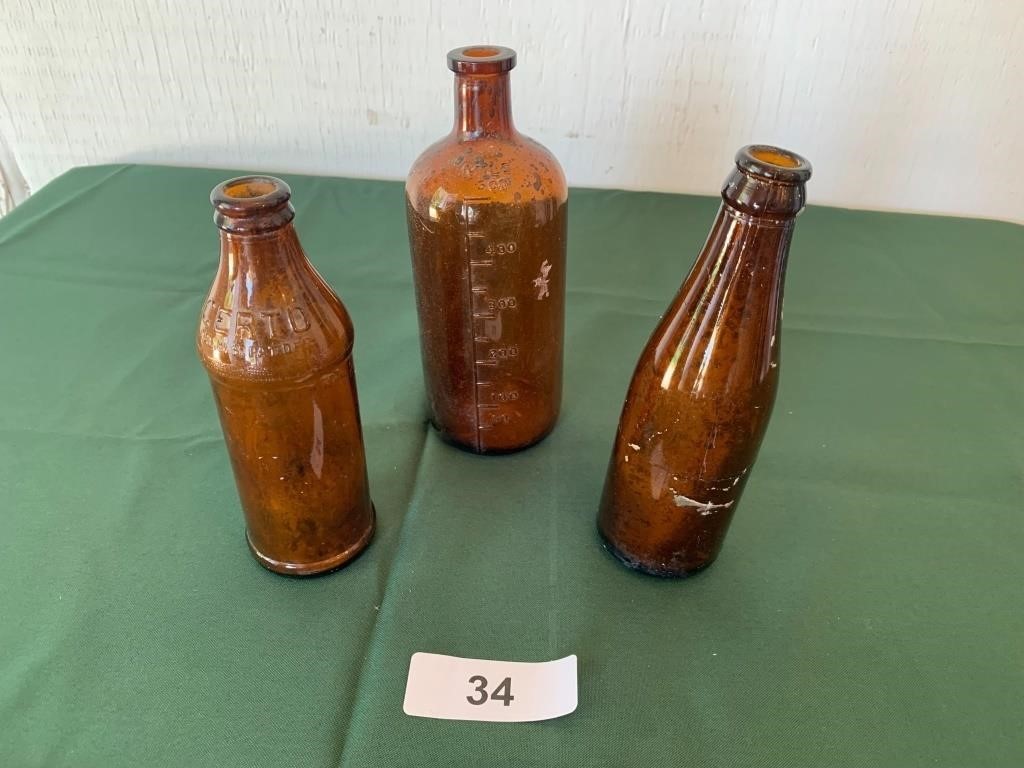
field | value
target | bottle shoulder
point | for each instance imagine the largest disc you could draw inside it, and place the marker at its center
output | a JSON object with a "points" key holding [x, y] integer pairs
{"points": [[709, 348], [277, 327], [500, 169]]}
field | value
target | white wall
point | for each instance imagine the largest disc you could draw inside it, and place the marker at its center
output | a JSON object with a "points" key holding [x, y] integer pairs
{"points": [[899, 104]]}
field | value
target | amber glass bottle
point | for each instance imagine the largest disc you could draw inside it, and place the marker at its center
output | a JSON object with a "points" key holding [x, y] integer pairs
{"points": [[486, 209], [703, 391], [277, 344]]}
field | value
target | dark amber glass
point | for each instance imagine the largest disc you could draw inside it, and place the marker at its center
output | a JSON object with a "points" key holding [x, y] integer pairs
{"points": [[703, 390], [277, 344], [486, 210]]}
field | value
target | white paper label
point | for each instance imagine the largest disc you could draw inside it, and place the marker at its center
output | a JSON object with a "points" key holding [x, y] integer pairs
{"points": [[453, 688]]}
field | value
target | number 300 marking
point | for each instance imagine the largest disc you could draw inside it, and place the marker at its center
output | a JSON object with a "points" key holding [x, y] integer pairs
{"points": [[502, 693]]}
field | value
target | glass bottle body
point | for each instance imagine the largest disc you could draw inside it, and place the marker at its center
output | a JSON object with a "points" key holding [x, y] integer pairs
{"points": [[486, 210], [277, 344], [702, 393]]}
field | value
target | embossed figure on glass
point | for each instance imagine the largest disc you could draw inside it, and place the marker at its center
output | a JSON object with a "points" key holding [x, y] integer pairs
{"points": [[277, 344], [703, 390], [487, 226]]}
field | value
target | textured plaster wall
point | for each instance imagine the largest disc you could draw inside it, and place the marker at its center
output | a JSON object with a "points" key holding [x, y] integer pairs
{"points": [[900, 104]]}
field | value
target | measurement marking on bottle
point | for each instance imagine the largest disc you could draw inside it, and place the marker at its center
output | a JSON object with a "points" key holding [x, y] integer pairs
{"points": [[492, 309], [503, 302], [472, 283], [504, 352]]}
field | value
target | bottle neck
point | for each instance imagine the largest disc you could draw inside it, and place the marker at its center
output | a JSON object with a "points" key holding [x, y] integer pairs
{"points": [[483, 105], [743, 262], [762, 198], [745, 256], [734, 291], [239, 252], [740, 238], [756, 220], [744, 266]]}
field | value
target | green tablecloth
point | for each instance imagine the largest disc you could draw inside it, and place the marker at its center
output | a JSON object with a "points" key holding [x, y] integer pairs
{"points": [[866, 609]]}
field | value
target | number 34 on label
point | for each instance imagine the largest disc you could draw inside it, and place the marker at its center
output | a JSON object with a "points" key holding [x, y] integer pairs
{"points": [[453, 688]]}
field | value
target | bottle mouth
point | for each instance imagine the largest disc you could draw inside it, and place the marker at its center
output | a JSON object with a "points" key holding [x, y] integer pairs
{"points": [[252, 204], [481, 59], [773, 163]]}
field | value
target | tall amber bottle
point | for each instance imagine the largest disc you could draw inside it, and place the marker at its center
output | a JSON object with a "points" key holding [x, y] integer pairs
{"points": [[486, 209], [277, 344], [703, 391]]}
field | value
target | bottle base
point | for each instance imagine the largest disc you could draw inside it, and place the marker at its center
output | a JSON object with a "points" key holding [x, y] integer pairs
{"points": [[462, 446], [641, 567], [317, 567]]}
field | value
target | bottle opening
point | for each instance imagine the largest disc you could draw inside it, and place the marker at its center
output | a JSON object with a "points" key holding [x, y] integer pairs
{"points": [[480, 53], [250, 188], [250, 195], [773, 163], [481, 59], [251, 203], [774, 157]]}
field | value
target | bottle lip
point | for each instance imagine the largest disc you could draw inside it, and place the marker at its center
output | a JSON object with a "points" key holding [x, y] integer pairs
{"points": [[252, 203], [481, 59], [774, 163]]}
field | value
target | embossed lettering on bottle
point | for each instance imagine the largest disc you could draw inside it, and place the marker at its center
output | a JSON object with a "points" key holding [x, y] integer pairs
{"points": [[277, 343]]}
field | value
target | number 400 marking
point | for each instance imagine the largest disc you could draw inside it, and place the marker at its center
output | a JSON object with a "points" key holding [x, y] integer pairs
{"points": [[502, 693]]}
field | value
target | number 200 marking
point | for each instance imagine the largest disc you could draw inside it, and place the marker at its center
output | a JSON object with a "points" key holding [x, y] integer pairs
{"points": [[504, 353], [502, 693]]}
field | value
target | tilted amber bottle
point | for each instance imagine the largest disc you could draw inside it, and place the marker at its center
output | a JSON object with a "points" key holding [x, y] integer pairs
{"points": [[277, 344], [486, 209], [702, 393]]}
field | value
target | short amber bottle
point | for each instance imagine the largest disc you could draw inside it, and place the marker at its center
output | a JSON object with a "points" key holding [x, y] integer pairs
{"points": [[486, 209], [277, 344], [701, 396]]}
